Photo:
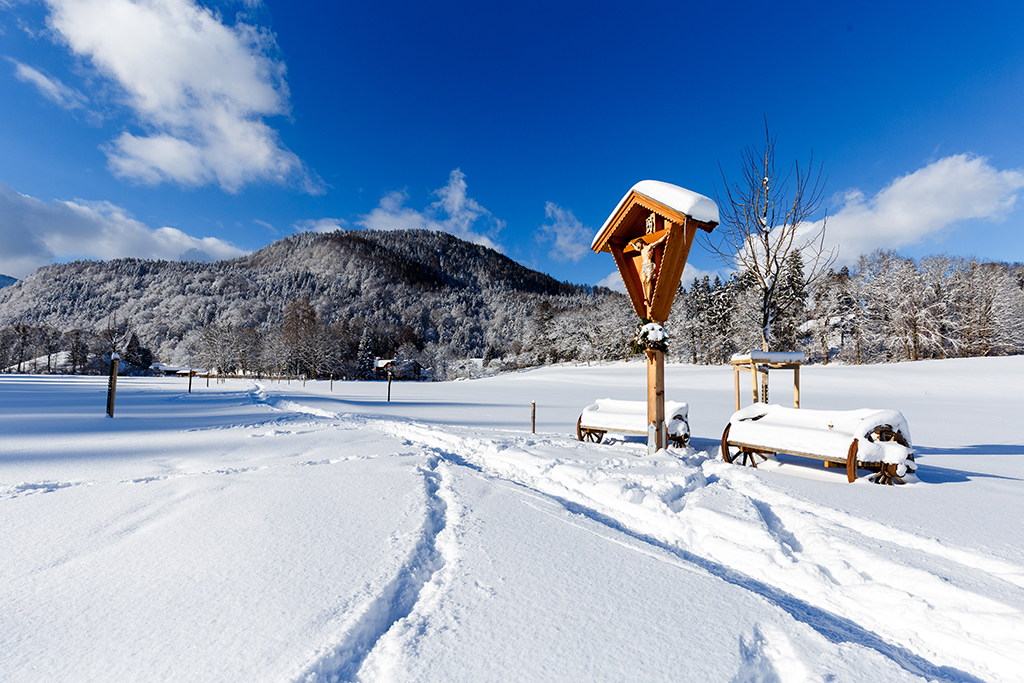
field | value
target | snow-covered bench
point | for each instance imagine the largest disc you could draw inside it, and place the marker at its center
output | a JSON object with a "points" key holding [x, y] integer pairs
{"points": [[630, 417], [876, 440]]}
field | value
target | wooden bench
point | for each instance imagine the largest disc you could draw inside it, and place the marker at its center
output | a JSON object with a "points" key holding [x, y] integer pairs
{"points": [[630, 417], [875, 440]]}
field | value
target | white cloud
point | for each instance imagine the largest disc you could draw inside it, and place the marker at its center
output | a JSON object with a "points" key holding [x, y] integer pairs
{"points": [[34, 233], [320, 225], [922, 204], [613, 281], [454, 212], [51, 88], [264, 224], [570, 239], [198, 88], [691, 273]]}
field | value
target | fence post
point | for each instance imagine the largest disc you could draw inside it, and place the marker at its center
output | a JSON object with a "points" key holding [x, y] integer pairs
{"points": [[112, 383], [533, 417]]}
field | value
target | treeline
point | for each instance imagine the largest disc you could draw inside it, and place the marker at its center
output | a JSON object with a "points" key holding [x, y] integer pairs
{"points": [[327, 305], [887, 308], [47, 350], [581, 327], [556, 329]]}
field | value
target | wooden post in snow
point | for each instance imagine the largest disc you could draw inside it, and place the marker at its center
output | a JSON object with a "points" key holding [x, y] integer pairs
{"points": [[533, 417], [115, 360], [656, 398]]}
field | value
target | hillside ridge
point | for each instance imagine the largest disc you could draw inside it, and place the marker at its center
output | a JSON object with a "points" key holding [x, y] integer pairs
{"points": [[413, 286]]}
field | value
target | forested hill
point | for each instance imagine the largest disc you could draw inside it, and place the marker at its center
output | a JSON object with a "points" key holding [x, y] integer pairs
{"points": [[417, 258], [378, 288]]}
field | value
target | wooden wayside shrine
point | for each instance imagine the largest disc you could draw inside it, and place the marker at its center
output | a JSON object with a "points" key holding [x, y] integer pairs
{"points": [[649, 234]]}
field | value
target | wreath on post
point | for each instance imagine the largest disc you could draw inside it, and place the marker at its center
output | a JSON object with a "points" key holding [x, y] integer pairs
{"points": [[649, 335]]}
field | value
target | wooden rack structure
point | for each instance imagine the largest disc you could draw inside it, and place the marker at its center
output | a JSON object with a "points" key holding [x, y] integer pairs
{"points": [[760, 363]]}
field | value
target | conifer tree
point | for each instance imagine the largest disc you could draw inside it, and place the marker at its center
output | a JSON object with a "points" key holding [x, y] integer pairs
{"points": [[366, 356]]}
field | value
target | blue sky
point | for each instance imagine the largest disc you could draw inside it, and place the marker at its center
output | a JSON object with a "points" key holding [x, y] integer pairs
{"points": [[170, 129]]}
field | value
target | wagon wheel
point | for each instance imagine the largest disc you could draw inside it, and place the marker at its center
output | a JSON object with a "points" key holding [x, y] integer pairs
{"points": [[725, 444], [888, 473], [588, 435], [745, 457], [742, 457], [679, 441], [851, 462]]}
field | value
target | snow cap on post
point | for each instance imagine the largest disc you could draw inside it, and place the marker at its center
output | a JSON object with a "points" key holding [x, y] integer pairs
{"points": [[652, 214]]}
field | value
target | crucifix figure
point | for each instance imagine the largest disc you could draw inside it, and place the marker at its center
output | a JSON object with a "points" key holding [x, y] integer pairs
{"points": [[647, 267]]}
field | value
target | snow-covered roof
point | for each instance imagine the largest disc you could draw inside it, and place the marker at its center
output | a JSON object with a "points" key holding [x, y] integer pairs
{"points": [[679, 199], [164, 367]]}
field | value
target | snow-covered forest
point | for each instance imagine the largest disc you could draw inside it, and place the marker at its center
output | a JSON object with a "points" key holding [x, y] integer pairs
{"points": [[319, 305], [887, 308]]}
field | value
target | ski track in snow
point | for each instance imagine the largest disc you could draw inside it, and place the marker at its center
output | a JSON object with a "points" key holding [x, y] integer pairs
{"points": [[388, 620], [820, 565]]}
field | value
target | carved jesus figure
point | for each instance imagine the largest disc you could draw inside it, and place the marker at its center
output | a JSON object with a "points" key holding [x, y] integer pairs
{"points": [[648, 277]]}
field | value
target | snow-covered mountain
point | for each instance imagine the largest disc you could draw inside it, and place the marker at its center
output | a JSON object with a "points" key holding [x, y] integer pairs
{"points": [[417, 286]]}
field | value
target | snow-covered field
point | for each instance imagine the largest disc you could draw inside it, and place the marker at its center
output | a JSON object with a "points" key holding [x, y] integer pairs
{"points": [[257, 531]]}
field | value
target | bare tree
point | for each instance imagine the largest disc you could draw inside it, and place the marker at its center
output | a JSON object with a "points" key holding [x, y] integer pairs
{"points": [[115, 335], [77, 343], [765, 219], [51, 342]]}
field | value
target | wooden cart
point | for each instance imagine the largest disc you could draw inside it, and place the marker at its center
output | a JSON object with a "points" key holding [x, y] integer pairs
{"points": [[875, 440], [630, 417]]}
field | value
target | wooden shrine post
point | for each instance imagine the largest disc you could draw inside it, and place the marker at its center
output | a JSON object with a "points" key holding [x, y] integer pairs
{"points": [[649, 234], [656, 397]]}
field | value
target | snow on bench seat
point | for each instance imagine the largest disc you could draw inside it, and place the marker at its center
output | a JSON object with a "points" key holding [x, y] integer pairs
{"points": [[825, 434], [630, 417]]}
